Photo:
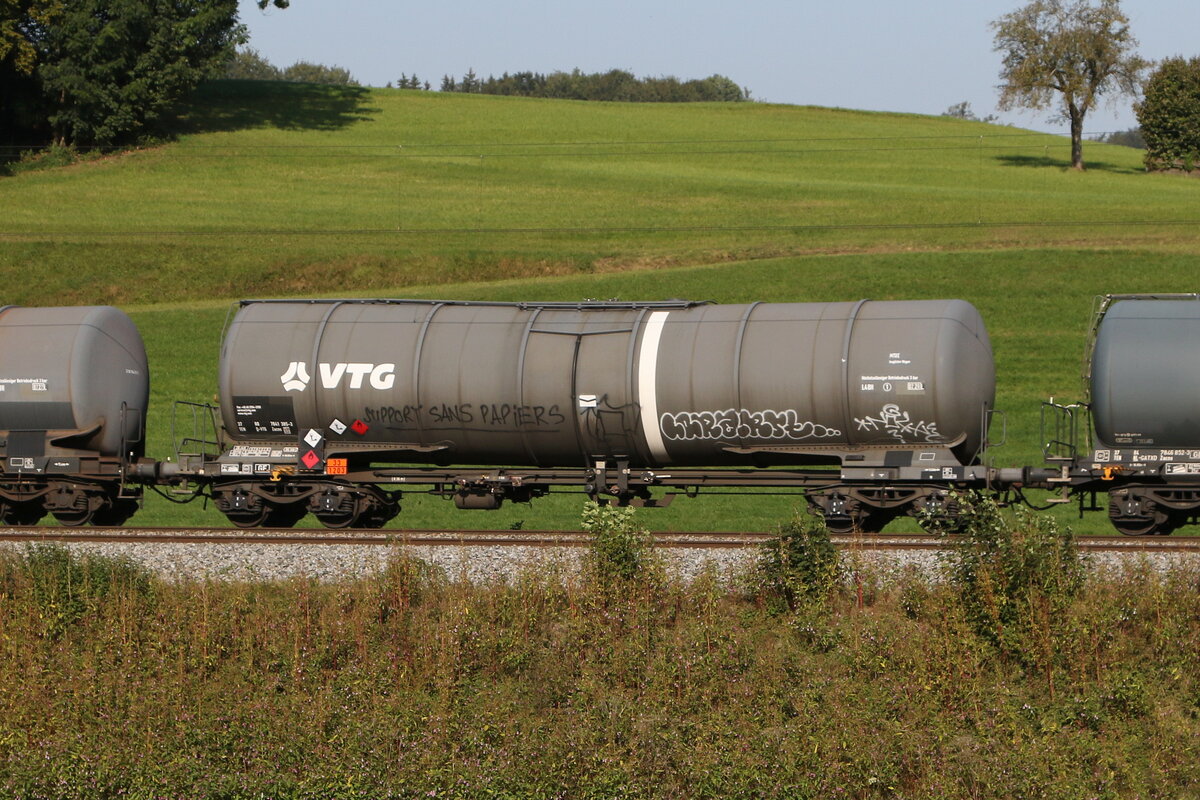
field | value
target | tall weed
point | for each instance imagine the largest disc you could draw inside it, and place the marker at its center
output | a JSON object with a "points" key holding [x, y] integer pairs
{"points": [[65, 587], [800, 567], [1017, 576], [621, 548]]}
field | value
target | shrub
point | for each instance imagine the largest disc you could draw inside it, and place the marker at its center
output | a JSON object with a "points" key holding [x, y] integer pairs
{"points": [[402, 583], [1016, 578], [65, 587], [55, 155], [800, 568], [620, 548], [1169, 115]]}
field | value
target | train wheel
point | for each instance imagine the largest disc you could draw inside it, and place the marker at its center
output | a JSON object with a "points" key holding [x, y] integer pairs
{"points": [[1176, 520], [342, 517], [73, 519], [22, 514], [847, 523], [117, 513], [73, 507], [844, 515], [244, 518], [353, 509], [938, 512], [1135, 526], [1133, 514], [338, 509], [380, 514], [244, 509]]}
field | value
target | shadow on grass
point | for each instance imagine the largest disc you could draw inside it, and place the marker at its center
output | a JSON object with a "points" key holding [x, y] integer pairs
{"points": [[1065, 163], [224, 106]]}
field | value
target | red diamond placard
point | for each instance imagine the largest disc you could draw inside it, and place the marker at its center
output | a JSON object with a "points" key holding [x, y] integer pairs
{"points": [[360, 427], [310, 459]]}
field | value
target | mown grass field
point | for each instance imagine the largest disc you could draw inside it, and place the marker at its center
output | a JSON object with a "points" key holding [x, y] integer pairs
{"points": [[292, 190]]}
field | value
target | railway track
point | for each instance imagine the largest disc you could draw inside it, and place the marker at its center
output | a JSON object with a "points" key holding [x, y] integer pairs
{"points": [[460, 538]]}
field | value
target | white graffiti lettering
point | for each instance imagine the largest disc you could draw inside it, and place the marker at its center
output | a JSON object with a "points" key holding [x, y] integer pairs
{"points": [[740, 423], [900, 426]]}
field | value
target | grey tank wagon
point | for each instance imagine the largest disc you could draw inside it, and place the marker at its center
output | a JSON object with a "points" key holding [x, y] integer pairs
{"points": [[1138, 439], [886, 403], [74, 386]]}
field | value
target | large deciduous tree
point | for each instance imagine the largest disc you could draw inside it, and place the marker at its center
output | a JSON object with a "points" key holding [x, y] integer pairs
{"points": [[1066, 55], [113, 67], [105, 71], [1169, 115], [23, 25]]}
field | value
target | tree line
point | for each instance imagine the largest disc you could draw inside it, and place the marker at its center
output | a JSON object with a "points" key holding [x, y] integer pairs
{"points": [[614, 85], [103, 72], [248, 64]]}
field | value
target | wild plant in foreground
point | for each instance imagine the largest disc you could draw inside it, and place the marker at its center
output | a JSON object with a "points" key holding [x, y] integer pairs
{"points": [[1017, 576], [800, 567]]}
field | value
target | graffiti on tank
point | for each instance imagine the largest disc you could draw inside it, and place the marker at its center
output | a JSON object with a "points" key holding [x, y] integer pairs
{"points": [[459, 417], [898, 424], [604, 421], [740, 423]]}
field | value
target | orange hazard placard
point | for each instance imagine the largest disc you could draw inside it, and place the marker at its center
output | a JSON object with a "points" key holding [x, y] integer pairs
{"points": [[336, 466]]}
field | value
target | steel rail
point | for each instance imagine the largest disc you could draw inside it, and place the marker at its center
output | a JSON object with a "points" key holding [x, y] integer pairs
{"points": [[287, 536], [541, 538]]}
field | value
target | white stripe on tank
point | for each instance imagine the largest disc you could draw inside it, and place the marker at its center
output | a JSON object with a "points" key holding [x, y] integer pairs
{"points": [[647, 388]]}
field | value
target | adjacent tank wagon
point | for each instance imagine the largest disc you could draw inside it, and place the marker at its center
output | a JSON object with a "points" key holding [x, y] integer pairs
{"points": [[1142, 377], [74, 386]]}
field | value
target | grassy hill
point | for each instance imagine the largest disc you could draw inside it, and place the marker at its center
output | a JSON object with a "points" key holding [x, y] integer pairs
{"points": [[284, 189], [280, 188]]}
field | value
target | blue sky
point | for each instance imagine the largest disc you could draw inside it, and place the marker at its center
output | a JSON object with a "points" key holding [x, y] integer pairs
{"points": [[881, 55]]}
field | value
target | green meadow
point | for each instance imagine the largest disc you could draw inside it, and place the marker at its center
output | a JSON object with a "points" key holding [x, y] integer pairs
{"points": [[296, 190]]}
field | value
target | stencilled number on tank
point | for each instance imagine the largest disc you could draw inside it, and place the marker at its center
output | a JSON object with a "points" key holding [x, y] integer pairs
{"points": [[740, 423]]}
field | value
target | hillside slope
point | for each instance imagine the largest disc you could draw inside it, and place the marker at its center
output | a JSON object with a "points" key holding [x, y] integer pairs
{"points": [[276, 188]]}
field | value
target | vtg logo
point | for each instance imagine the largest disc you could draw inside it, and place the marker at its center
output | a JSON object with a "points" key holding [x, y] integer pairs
{"points": [[380, 376]]}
